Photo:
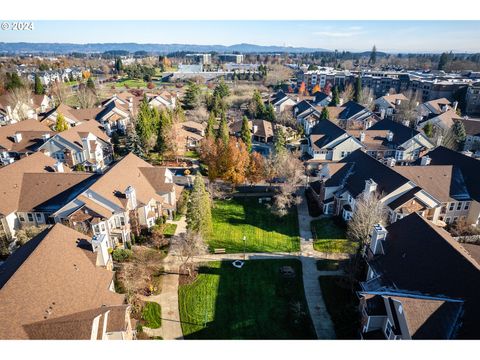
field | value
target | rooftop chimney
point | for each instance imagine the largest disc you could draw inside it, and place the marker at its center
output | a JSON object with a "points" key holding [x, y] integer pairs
{"points": [[131, 195], [444, 108], [391, 161], [362, 136], [58, 167], [100, 246], [406, 123], [45, 137], [398, 102], [455, 105], [370, 186], [17, 137], [379, 234], [255, 128], [390, 136], [425, 160]]}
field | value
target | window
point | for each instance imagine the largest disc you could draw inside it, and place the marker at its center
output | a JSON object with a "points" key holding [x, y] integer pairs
{"points": [[455, 219], [96, 229], [122, 221], [102, 225], [466, 206], [388, 329], [459, 205], [452, 206], [38, 216], [447, 220], [30, 217], [21, 217]]}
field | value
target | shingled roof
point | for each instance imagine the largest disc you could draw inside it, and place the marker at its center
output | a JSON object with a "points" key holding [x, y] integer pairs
{"points": [[365, 167], [52, 289], [424, 259], [469, 166], [11, 178]]}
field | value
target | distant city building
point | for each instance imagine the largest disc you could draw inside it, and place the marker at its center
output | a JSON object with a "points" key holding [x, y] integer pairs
{"points": [[235, 58], [200, 58]]}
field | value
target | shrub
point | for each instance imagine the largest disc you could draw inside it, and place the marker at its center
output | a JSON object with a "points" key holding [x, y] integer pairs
{"points": [[128, 245], [152, 315], [121, 255], [139, 328]]}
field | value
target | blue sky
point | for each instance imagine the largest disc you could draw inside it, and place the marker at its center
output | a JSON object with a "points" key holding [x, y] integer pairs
{"points": [[390, 36]]}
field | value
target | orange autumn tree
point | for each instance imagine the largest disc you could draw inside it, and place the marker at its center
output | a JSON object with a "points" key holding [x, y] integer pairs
{"points": [[236, 160], [256, 170], [315, 89], [302, 88]]}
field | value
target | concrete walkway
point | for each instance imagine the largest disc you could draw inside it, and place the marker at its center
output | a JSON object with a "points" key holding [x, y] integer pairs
{"points": [[318, 311], [168, 299]]}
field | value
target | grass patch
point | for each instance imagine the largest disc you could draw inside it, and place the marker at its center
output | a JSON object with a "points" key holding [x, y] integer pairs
{"points": [[152, 315], [328, 265], [169, 229], [330, 237], [191, 154], [255, 302], [342, 306], [132, 83], [265, 232]]}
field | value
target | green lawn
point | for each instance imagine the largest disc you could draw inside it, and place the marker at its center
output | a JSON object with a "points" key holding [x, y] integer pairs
{"points": [[169, 230], [235, 218], [342, 306], [132, 83], [191, 154], [152, 315], [254, 302], [331, 237]]}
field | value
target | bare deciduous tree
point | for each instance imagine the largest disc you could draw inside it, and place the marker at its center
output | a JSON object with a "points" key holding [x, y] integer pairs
{"points": [[60, 92], [367, 98], [188, 245], [289, 168], [86, 98], [369, 210], [409, 110], [20, 99], [347, 94]]}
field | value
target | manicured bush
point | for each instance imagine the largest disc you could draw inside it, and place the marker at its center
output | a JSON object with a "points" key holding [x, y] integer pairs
{"points": [[121, 255]]}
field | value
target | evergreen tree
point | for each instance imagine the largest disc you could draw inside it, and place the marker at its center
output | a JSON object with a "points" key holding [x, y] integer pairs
{"points": [[280, 141], [443, 61], [358, 89], [38, 86], [13, 81], [221, 90], [191, 100], [246, 135], [324, 115], [428, 129], [199, 213], [133, 143], [118, 65], [61, 124], [269, 113], [164, 129], [373, 56], [210, 131], [145, 126], [459, 132], [222, 132], [90, 84], [259, 109], [335, 97]]}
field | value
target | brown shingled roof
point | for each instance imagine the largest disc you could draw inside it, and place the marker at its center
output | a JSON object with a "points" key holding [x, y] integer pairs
{"points": [[11, 178], [57, 278], [31, 130]]}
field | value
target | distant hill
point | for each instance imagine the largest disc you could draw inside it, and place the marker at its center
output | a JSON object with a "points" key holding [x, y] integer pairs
{"points": [[65, 48]]}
